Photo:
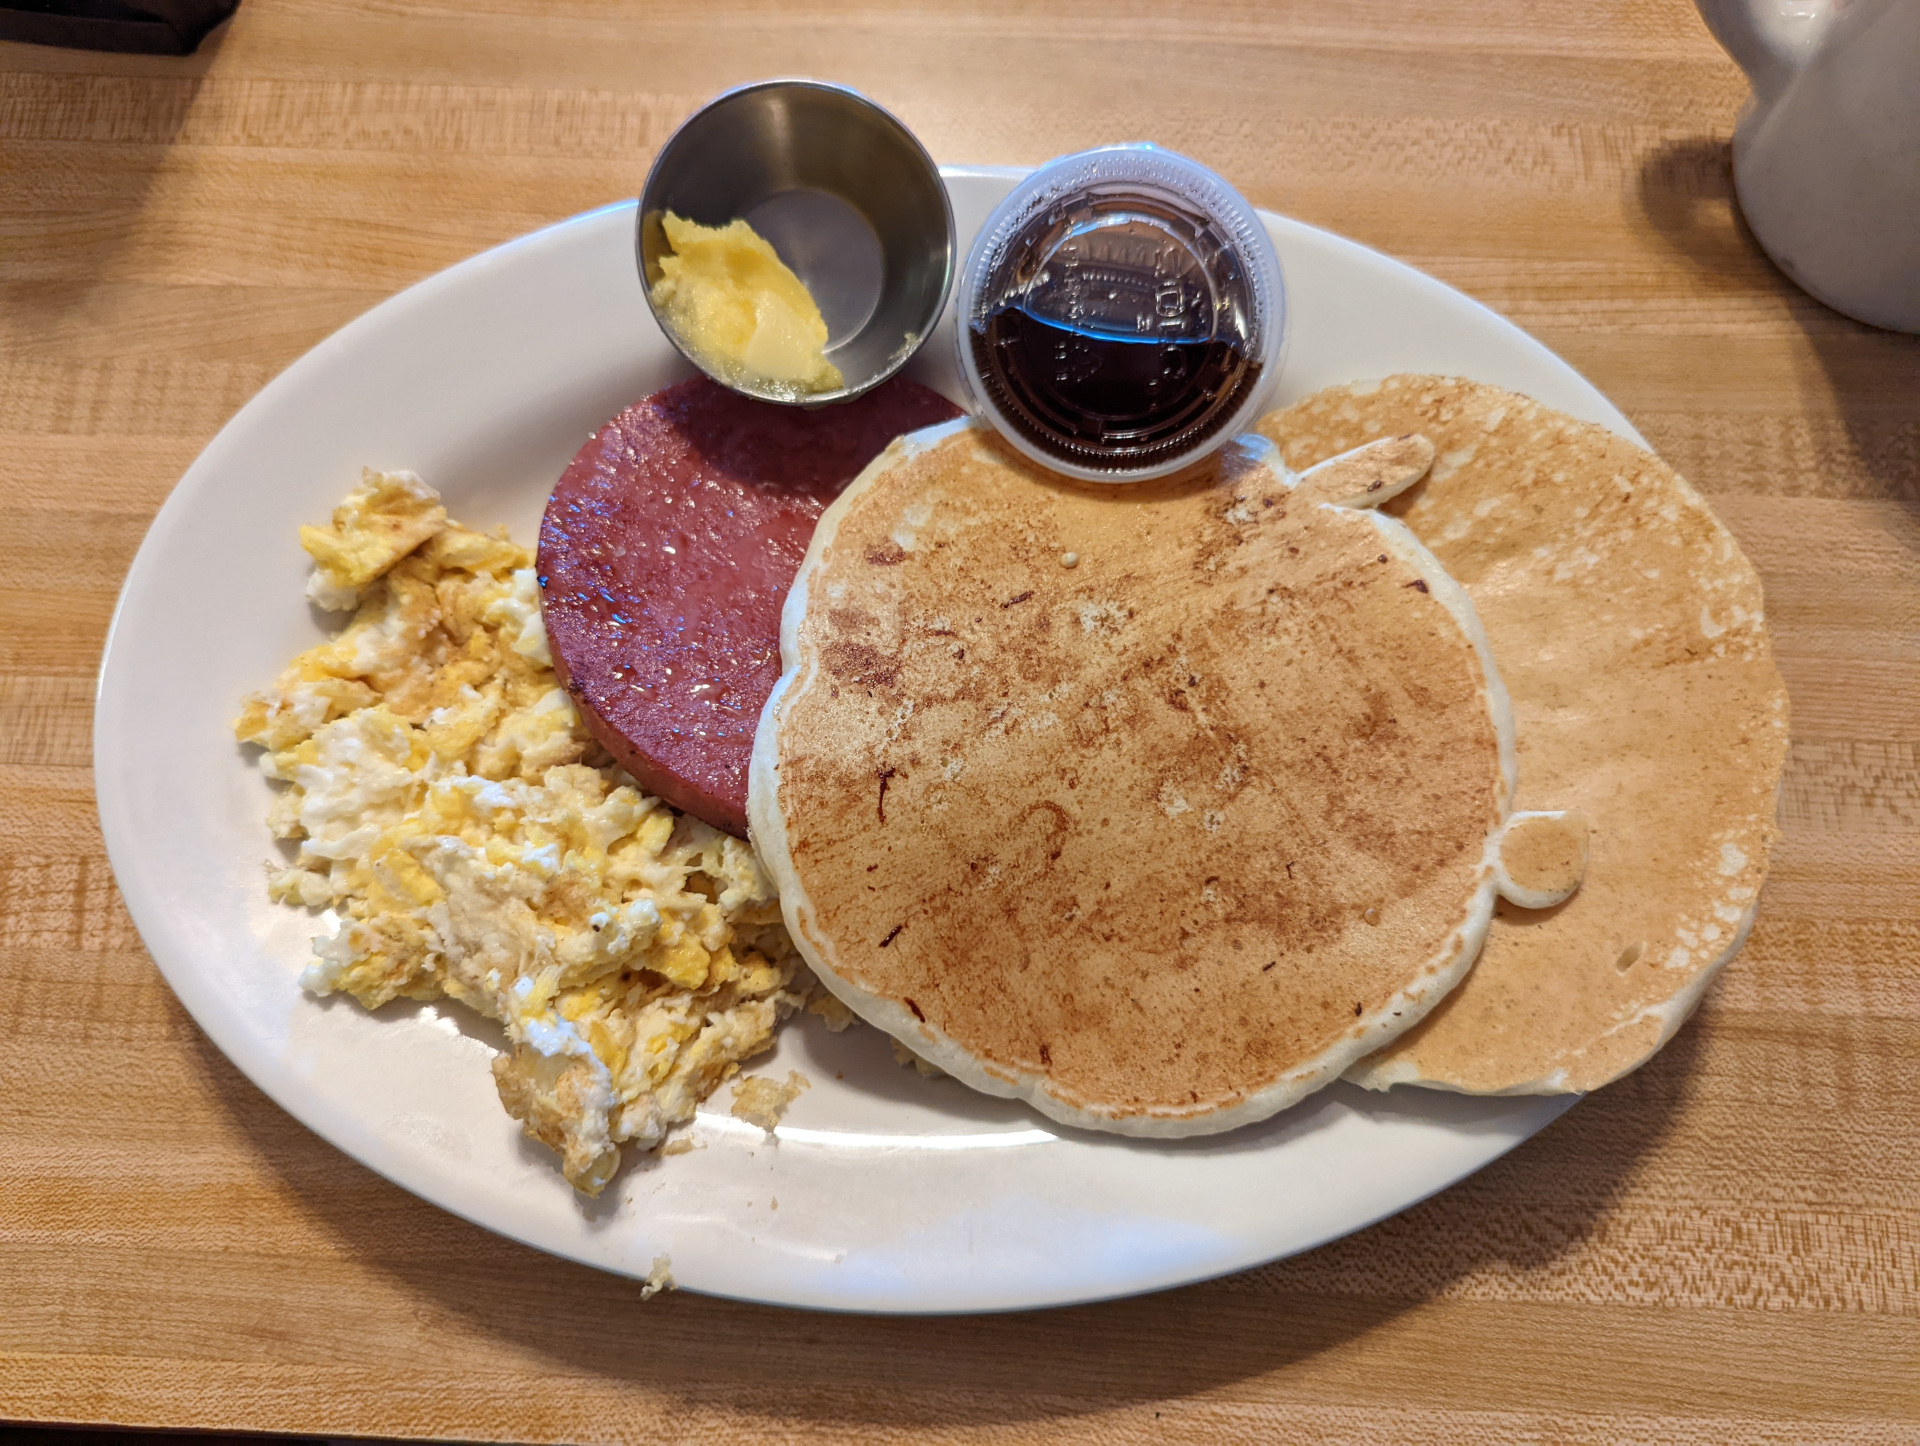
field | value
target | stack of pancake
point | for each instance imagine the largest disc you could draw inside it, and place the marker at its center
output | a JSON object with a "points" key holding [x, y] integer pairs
{"points": [[1433, 741]]}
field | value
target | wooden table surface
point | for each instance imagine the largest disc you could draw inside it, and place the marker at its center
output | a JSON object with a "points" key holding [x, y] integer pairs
{"points": [[1723, 1247]]}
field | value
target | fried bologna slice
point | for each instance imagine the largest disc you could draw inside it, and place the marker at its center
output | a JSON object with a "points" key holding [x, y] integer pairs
{"points": [[665, 554]]}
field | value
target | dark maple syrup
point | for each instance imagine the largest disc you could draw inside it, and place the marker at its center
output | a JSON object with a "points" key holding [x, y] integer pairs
{"points": [[1093, 395], [1116, 326]]}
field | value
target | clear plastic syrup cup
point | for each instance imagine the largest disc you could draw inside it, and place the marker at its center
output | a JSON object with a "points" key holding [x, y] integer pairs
{"points": [[1121, 314]]}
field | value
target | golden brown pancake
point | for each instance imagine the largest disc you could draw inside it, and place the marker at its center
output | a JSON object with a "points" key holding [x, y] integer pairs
{"points": [[1156, 806], [1629, 631]]}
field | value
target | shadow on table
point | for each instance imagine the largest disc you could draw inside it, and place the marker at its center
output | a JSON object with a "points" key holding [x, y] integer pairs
{"points": [[1686, 193], [1501, 1234], [130, 110]]}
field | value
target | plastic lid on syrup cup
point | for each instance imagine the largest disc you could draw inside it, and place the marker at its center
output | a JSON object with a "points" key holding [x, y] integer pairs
{"points": [[1121, 314]]}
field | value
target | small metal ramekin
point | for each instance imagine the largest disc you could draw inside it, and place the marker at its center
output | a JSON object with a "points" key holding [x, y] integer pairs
{"points": [[843, 191]]}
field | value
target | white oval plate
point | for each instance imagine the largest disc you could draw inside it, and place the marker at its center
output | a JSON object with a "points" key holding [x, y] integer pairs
{"points": [[893, 1193]]}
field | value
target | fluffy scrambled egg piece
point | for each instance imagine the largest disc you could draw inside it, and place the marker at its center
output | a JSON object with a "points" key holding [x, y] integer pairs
{"points": [[382, 520], [659, 1278], [471, 842], [762, 1101]]}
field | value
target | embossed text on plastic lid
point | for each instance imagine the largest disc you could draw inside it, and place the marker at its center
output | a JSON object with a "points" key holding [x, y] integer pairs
{"points": [[1121, 314]]}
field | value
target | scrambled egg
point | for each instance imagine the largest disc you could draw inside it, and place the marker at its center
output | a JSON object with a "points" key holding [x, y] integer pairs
{"points": [[659, 1278], [761, 1101], [472, 843]]}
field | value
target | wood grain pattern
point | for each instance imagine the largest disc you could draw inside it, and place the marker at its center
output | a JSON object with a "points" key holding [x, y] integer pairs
{"points": [[1722, 1247]]}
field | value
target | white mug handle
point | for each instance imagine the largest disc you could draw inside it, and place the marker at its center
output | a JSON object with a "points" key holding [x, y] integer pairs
{"points": [[1769, 39]]}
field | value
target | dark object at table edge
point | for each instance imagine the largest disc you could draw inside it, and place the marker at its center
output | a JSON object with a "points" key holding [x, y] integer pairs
{"points": [[151, 27]]}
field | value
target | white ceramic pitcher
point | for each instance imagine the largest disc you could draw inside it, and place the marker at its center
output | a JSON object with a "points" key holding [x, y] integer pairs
{"points": [[1826, 161]]}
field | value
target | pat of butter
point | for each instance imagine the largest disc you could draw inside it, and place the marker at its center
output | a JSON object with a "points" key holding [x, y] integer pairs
{"points": [[737, 307]]}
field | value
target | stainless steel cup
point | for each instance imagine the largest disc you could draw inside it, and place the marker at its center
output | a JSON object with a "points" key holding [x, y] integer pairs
{"points": [[846, 195]]}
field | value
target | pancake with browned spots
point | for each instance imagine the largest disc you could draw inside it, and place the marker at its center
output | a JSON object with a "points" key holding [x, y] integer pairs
{"points": [[1156, 806], [1629, 630]]}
